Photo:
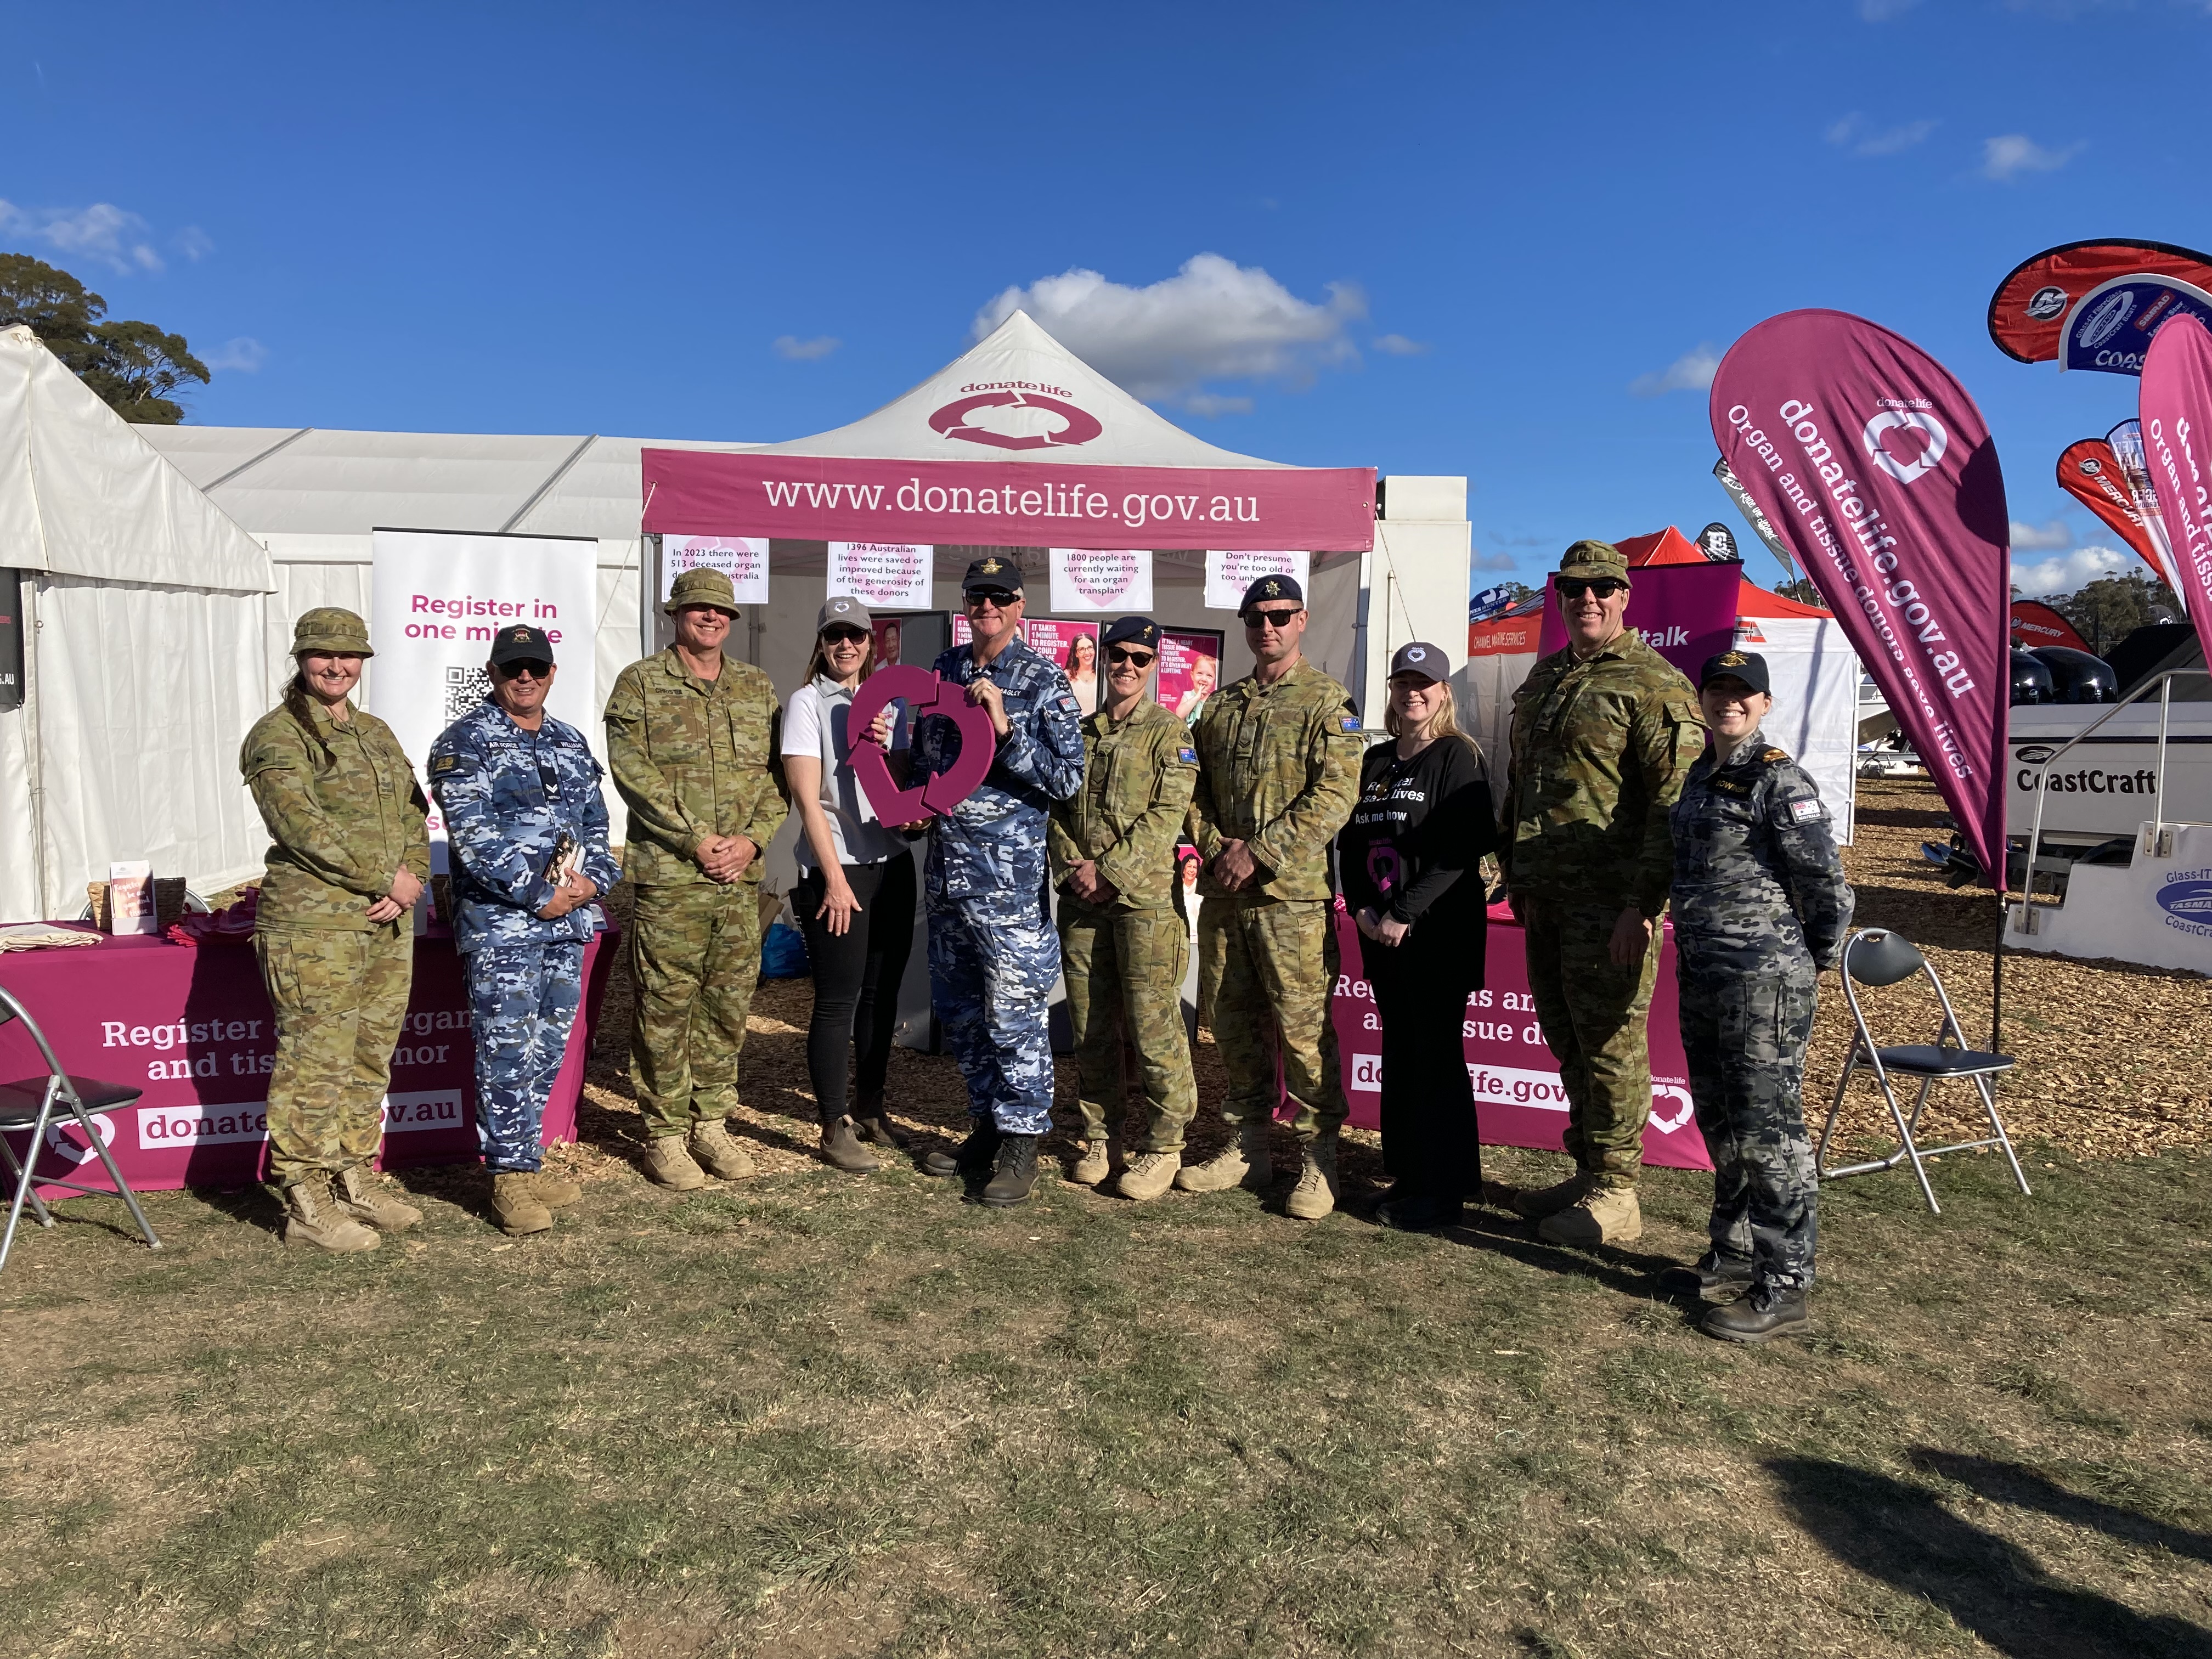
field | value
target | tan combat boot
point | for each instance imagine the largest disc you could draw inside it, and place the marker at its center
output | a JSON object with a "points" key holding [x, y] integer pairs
{"points": [[1315, 1195], [719, 1156], [311, 1216], [1149, 1174], [554, 1192], [668, 1164], [1245, 1161], [516, 1206], [1608, 1215], [364, 1198], [1094, 1164], [1534, 1204]]}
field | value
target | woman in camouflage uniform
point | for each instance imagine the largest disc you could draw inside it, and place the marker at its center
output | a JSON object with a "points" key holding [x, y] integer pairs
{"points": [[350, 852]]}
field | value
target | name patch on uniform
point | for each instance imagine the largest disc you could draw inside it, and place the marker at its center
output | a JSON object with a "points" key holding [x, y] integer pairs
{"points": [[1729, 786], [1188, 756], [1804, 811]]}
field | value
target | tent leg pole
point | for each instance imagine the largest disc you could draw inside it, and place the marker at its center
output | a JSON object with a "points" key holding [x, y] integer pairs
{"points": [[1997, 971]]}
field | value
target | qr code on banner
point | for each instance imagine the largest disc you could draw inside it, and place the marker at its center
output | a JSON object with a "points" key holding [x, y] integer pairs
{"points": [[465, 690]]}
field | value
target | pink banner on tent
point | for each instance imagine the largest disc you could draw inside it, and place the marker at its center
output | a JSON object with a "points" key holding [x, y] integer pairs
{"points": [[1877, 468], [1686, 612], [2177, 436], [1519, 1100], [1008, 503]]}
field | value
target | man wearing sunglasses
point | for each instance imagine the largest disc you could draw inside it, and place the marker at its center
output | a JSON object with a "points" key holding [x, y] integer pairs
{"points": [[526, 835], [1604, 734], [1279, 773], [692, 744], [1123, 945], [993, 953]]}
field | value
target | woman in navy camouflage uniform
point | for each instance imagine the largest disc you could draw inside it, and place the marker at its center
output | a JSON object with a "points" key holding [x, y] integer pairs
{"points": [[1760, 909]]}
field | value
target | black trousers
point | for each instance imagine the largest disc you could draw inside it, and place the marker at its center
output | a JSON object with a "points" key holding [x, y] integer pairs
{"points": [[1430, 1141], [856, 978]]}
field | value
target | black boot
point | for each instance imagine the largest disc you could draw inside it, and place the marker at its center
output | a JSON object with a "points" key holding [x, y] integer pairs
{"points": [[1710, 1278], [1414, 1212], [871, 1122], [971, 1158], [1767, 1313], [1016, 1172]]}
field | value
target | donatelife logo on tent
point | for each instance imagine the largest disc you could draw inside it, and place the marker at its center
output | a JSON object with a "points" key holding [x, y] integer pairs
{"points": [[1016, 415], [1876, 466]]}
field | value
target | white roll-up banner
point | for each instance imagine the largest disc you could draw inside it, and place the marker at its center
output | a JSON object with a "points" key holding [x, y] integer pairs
{"points": [[438, 599]]}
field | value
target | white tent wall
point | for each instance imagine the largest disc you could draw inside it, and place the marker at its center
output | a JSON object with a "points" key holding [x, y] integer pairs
{"points": [[1413, 583]]}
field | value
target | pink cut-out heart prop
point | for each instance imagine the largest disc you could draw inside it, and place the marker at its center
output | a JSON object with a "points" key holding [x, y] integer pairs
{"points": [[924, 694]]}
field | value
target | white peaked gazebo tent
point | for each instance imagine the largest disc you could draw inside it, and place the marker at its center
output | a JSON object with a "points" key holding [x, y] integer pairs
{"points": [[1019, 446], [143, 610]]}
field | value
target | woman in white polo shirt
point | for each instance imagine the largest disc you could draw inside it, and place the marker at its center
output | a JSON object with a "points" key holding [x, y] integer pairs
{"points": [[854, 900]]}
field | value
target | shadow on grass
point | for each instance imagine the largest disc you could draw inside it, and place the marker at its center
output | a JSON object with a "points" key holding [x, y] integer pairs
{"points": [[1631, 1273], [1903, 1536], [2027, 1488]]}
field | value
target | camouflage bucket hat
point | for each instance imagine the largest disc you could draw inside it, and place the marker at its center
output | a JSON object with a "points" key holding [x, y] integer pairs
{"points": [[330, 630], [703, 587], [1593, 561]]}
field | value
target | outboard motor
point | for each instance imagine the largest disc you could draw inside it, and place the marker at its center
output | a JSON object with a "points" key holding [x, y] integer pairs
{"points": [[2031, 679], [2077, 677]]}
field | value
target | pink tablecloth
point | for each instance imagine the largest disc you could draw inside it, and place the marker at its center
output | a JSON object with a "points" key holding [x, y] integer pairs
{"points": [[1518, 1099], [193, 1028]]}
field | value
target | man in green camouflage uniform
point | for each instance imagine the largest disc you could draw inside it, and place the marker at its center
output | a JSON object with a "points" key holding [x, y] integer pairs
{"points": [[1604, 733], [691, 745], [1279, 773], [1123, 946], [334, 929]]}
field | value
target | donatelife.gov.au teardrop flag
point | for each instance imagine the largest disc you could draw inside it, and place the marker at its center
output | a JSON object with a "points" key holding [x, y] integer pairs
{"points": [[2177, 438], [1876, 466]]}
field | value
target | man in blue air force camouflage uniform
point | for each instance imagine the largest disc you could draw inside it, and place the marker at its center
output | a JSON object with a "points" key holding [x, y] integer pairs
{"points": [[992, 947], [1760, 909], [511, 781]]}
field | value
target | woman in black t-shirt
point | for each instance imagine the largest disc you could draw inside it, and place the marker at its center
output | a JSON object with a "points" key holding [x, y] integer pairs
{"points": [[1407, 865]]}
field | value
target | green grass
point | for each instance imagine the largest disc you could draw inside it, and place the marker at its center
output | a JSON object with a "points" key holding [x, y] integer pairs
{"points": [[812, 1415]]}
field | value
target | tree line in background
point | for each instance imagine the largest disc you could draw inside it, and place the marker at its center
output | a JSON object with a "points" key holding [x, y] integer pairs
{"points": [[2104, 612], [134, 366]]}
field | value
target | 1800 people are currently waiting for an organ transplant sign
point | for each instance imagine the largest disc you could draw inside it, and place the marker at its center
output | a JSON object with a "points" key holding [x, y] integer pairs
{"points": [[439, 600]]}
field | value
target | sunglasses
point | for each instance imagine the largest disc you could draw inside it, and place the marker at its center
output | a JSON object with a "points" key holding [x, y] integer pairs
{"points": [[1136, 659], [843, 635], [1277, 620], [515, 671], [1605, 587], [997, 601]]}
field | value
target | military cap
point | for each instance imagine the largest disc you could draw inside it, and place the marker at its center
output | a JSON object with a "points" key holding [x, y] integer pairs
{"points": [[520, 642], [330, 630], [1133, 630], [994, 573], [1746, 665], [703, 587], [1272, 587], [846, 611], [1423, 659], [1594, 562]]}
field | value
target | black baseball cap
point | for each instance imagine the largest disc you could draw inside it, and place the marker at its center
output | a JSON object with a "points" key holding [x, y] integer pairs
{"points": [[1746, 665], [521, 643], [994, 573], [1423, 659], [1133, 630], [1272, 587]]}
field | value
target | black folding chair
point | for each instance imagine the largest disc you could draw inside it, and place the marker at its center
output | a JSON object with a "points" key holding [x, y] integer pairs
{"points": [[35, 1103], [1880, 957]]}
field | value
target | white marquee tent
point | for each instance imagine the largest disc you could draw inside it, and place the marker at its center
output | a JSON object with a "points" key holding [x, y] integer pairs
{"points": [[144, 610]]}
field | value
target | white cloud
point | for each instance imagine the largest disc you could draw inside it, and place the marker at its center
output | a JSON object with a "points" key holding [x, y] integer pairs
{"points": [[1492, 562], [2032, 538], [2006, 158], [1397, 346], [1211, 403], [102, 234], [1853, 132], [1880, 11], [794, 349], [1693, 371], [242, 354], [1213, 320], [193, 243], [2069, 571]]}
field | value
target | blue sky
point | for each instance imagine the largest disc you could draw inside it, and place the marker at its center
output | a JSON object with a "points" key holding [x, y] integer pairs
{"points": [[1463, 239]]}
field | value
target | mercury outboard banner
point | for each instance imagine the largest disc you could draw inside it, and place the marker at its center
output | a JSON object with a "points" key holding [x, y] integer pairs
{"points": [[1877, 467]]}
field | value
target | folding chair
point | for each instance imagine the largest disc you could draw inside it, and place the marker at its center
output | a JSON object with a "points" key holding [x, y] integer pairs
{"points": [[1880, 957], [36, 1103]]}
